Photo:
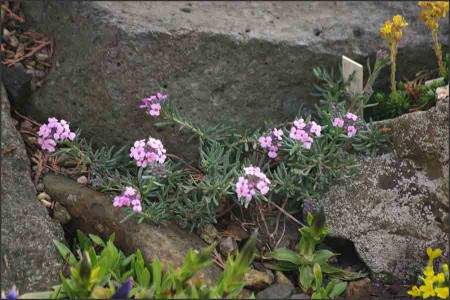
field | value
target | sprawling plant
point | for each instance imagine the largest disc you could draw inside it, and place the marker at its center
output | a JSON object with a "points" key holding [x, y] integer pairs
{"points": [[312, 263], [292, 161], [112, 274]]}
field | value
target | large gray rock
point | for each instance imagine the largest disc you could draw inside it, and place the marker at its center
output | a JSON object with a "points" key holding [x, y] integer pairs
{"points": [[220, 61], [32, 261], [93, 212], [398, 204]]}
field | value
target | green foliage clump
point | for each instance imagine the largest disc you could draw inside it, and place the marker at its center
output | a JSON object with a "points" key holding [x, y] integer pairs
{"points": [[97, 275], [311, 263], [409, 97]]}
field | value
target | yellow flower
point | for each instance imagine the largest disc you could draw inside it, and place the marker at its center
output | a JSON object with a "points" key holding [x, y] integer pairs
{"points": [[432, 254], [386, 29], [399, 21], [415, 292], [439, 278], [429, 272], [432, 12], [442, 292], [427, 289], [445, 267]]}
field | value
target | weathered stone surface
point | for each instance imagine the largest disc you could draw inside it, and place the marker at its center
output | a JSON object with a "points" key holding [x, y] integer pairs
{"points": [[33, 262], [220, 61], [94, 213], [258, 279], [17, 84], [228, 246], [359, 289], [398, 204], [276, 291], [282, 289]]}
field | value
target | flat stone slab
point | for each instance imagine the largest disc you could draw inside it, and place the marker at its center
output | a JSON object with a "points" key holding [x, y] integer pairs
{"points": [[93, 212], [238, 62]]}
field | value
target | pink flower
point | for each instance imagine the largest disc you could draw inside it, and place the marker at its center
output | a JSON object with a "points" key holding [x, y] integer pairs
{"points": [[300, 124], [351, 116], [265, 141], [53, 132], [148, 152], [129, 197], [351, 131], [316, 129], [278, 133], [245, 186], [152, 104], [338, 122]]}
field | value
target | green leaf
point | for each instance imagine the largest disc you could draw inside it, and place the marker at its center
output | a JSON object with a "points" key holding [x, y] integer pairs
{"points": [[64, 251], [283, 254], [36, 295], [321, 256], [341, 274], [338, 289], [161, 124], [306, 277], [97, 240], [317, 276]]}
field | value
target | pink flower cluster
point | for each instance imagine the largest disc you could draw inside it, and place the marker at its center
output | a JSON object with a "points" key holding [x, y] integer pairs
{"points": [[53, 132], [302, 131], [153, 104], [272, 142], [148, 152], [254, 178], [348, 123], [130, 197]]}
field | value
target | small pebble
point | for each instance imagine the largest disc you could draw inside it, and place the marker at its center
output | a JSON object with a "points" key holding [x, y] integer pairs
{"points": [[44, 195], [31, 140], [46, 203], [82, 180], [40, 187]]}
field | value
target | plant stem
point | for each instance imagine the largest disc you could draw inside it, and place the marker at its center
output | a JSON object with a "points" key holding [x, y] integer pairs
{"points": [[288, 214], [437, 49], [393, 66]]}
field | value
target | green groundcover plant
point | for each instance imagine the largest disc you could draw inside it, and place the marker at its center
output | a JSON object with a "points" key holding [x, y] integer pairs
{"points": [[294, 160], [101, 271]]}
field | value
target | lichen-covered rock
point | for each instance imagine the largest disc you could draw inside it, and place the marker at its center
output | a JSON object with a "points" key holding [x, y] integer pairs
{"points": [[29, 258], [398, 203], [93, 212]]}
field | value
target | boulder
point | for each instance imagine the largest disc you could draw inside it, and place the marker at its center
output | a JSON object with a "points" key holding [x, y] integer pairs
{"points": [[93, 212], [17, 84], [236, 62], [30, 260], [398, 204]]}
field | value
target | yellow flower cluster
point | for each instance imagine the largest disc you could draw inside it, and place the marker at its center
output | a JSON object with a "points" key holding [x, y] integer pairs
{"points": [[392, 30], [432, 12], [433, 284]]}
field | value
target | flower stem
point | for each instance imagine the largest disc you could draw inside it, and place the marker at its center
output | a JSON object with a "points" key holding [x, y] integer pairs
{"points": [[437, 49], [393, 66]]}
